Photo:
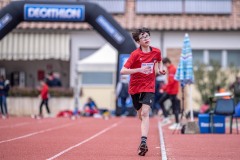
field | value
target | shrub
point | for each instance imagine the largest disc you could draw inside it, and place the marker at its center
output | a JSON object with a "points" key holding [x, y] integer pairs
{"points": [[207, 78], [33, 92]]}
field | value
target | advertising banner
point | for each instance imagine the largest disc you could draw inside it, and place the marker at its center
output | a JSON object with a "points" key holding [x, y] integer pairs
{"points": [[122, 60], [54, 12]]}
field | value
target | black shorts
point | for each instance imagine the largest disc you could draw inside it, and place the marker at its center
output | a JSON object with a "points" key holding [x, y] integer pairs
{"points": [[142, 98]]}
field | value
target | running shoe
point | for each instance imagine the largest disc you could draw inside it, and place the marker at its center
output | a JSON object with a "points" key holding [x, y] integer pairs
{"points": [[142, 149]]}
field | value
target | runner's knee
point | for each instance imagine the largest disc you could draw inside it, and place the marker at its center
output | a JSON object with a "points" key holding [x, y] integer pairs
{"points": [[145, 112]]}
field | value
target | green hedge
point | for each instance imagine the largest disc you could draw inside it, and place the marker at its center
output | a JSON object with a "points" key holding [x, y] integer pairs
{"points": [[33, 92]]}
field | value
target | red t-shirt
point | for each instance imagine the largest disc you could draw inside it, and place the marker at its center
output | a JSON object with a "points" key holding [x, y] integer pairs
{"points": [[172, 85], [44, 92], [140, 82]]}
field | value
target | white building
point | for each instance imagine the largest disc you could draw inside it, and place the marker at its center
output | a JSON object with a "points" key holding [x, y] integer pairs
{"points": [[38, 48]]}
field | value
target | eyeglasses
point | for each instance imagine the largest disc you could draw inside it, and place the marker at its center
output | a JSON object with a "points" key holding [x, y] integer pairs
{"points": [[144, 37]]}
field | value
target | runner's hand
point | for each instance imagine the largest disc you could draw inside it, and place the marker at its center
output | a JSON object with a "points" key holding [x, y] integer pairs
{"points": [[145, 70], [163, 72]]}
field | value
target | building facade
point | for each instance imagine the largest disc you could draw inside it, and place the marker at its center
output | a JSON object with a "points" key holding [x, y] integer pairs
{"points": [[213, 27]]}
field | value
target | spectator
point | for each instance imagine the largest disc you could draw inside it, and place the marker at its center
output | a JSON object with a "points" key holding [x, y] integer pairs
{"points": [[49, 79], [160, 82], [170, 92], [222, 90], [203, 109], [44, 96], [90, 108], [6, 90], [56, 80], [122, 93], [235, 87], [53, 80], [3, 93]]}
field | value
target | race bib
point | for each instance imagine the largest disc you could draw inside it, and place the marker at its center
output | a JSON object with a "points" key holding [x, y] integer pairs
{"points": [[149, 65]]}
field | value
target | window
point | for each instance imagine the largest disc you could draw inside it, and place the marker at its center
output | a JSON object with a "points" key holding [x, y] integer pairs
{"points": [[184, 6], [111, 6], [197, 57], [85, 52], [215, 56], [159, 6], [233, 58], [208, 6], [222, 57], [96, 78]]}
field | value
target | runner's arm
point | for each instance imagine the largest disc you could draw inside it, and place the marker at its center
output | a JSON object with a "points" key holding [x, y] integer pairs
{"points": [[144, 70], [160, 68]]}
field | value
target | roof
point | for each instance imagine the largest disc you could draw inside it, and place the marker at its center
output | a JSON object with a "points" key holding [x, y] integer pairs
{"points": [[130, 20]]}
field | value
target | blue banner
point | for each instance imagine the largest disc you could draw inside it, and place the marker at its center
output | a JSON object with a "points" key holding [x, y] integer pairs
{"points": [[110, 29], [122, 60], [5, 20], [53, 12]]}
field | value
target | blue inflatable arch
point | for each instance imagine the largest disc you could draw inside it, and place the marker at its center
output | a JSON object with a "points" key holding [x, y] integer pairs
{"points": [[66, 11]]}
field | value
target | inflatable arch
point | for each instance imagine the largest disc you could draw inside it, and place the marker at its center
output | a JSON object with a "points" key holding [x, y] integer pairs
{"points": [[66, 11]]}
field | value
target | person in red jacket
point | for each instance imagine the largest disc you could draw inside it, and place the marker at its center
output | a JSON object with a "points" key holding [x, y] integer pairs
{"points": [[170, 92], [44, 96]]}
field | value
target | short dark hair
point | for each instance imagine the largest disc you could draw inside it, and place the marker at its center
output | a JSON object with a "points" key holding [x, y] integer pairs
{"points": [[166, 60], [138, 32]]}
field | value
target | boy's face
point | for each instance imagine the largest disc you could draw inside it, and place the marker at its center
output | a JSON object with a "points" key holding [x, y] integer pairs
{"points": [[144, 39]]}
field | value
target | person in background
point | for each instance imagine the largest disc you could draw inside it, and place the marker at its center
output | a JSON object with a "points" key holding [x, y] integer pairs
{"points": [[160, 82], [235, 87], [203, 109], [122, 93], [170, 92], [222, 90], [3, 103], [141, 67], [6, 90], [53, 80], [49, 79], [56, 80], [44, 93], [90, 108]]}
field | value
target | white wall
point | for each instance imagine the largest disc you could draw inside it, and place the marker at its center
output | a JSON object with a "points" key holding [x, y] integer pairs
{"points": [[82, 39], [203, 40], [25, 106], [160, 39]]}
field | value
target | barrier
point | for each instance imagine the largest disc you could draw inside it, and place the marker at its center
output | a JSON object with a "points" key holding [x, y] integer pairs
{"points": [[205, 125]]}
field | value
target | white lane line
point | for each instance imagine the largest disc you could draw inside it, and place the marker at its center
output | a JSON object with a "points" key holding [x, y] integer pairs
{"points": [[85, 141], [15, 125], [21, 124], [162, 144], [35, 133]]}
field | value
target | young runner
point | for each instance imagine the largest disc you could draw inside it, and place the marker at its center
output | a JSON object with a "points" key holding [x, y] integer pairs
{"points": [[141, 66]]}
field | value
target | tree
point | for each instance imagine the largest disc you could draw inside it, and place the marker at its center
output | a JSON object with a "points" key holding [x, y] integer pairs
{"points": [[207, 78]]}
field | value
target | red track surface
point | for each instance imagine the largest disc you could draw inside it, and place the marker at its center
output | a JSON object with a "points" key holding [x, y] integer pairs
{"points": [[98, 139]]}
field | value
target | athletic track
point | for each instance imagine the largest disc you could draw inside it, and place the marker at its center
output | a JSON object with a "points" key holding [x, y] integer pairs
{"points": [[23, 138]]}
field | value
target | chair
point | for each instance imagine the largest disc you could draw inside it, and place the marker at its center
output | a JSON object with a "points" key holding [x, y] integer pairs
{"points": [[225, 107], [237, 114]]}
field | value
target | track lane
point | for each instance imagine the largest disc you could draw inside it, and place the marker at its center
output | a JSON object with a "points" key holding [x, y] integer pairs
{"points": [[48, 144], [118, 143], [32, 126]]}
